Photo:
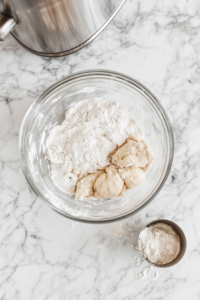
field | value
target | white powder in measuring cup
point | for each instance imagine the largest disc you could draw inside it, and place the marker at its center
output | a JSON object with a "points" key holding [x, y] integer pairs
{"points": [[159, 243]]}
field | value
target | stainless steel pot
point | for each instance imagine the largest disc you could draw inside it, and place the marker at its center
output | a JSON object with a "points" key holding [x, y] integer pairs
{"points": [[55, 27]]}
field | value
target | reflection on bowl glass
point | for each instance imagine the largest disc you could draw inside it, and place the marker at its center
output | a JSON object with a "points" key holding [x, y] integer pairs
{"points": [[48, 110]]}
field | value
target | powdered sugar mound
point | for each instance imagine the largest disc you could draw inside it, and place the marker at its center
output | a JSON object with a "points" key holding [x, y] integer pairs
{"points": [[81, 144]]}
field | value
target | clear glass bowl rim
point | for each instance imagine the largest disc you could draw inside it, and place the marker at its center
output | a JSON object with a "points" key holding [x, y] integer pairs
{"points": [[113, 75]]}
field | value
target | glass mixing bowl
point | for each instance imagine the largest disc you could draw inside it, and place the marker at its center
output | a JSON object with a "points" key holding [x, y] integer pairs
{"points": [[49, 109]]}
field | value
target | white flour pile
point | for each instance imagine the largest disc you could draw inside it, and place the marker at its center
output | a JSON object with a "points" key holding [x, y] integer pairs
{"points": [[149, 271], [81, 144], [159, 243]]}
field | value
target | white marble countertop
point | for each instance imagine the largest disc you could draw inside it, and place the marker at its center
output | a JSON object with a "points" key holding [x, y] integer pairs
{"points": [[46, 256]]}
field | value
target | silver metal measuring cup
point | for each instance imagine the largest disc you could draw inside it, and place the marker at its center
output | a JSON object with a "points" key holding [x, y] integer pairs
{"points": [[181, 235]]}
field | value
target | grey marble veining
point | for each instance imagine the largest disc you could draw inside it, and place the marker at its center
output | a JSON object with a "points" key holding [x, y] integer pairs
{"points": [[44, 255]]}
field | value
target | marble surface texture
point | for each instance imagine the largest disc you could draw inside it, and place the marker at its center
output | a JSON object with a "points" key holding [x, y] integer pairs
{"points": [[46, 256]]}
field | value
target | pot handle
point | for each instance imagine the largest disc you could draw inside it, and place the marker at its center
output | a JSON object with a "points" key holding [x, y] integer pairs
{"points": [[6, 25]]}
